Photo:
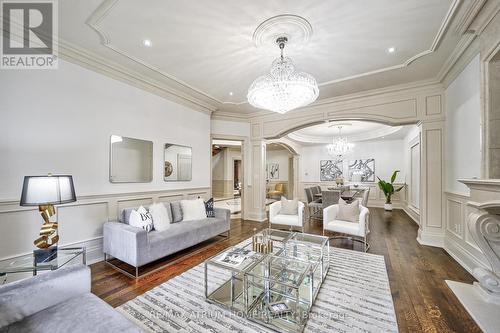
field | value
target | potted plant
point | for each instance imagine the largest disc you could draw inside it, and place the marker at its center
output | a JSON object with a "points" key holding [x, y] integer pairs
{"points": [[389, 190]]}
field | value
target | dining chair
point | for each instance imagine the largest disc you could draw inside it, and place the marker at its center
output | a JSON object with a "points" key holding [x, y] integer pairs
{"points": [[366, 196], [330, 198], [314, 206]]}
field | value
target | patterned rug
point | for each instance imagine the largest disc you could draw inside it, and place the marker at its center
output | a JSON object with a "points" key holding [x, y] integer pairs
{"points": [[355, 297]]}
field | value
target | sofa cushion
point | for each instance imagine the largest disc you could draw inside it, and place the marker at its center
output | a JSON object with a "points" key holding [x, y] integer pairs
{"points": [[176, 209], [182, 235], [193, 210], [161, 218], [286, 220], [23, 298], [82, 314]]}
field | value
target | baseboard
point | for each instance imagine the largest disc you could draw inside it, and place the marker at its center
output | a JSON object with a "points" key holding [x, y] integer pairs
{"points": [[257, 217], [412, 214], [428, 239], [464, 257]]}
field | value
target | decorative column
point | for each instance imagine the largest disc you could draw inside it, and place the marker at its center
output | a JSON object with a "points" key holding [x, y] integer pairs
{"points": [[482, 298], [431, 231], [257, 201]]}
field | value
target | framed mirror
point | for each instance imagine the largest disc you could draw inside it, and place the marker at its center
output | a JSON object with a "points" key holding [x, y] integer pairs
{"points": [[177, 165], [131, 160]]}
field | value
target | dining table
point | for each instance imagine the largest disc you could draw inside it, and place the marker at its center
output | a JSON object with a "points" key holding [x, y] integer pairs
{"points": [[347, 195]]}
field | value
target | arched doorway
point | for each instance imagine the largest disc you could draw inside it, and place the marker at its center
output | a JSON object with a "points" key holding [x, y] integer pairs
{"points": [[425, 111]]}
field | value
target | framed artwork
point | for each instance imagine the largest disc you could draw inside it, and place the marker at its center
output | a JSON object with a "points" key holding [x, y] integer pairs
{"points": [[273, 170], [329, 170], [362, 170]]}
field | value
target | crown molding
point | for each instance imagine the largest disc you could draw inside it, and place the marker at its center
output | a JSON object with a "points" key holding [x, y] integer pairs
{"points": [[325, 139], [413, 87], [465, 20], [103, 10], [448, 71], [435, 43], [100, 14], [92, 61]]}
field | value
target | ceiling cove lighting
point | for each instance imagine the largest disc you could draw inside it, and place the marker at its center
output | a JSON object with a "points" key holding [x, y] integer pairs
{"points": [[283, 89], [339, 146]]}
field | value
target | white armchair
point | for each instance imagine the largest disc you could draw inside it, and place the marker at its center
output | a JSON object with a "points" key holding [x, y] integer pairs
{"points": [[290, 220], [356, 229]]}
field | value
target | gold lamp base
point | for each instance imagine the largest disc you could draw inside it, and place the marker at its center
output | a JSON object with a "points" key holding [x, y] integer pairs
{"points": [[48, 231]]}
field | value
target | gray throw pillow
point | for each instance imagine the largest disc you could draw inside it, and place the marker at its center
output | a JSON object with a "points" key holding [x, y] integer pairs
{"points": [[348, 212], [176, 211], [289, 207]]}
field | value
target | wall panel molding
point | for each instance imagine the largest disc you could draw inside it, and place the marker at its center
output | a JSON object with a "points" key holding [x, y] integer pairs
{"points": [[80, 222]]}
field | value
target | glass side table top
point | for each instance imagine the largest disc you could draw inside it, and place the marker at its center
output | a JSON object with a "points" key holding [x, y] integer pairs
{"points": [[26, 263]]}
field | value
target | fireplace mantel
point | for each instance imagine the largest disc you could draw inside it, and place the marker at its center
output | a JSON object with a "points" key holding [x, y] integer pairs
{"points": [[482, 299]]}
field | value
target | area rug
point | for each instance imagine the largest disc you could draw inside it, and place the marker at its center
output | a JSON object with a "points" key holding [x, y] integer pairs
{"points": [[355, 297]]}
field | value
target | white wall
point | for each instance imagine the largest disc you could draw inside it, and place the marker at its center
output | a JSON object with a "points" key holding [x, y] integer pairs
{"points": [[463, 116], [226, 127], [60, 121], [388, 155], [282, 158]]}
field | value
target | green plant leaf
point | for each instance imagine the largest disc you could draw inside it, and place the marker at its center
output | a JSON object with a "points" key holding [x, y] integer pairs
{"points": [[394, 175], [399, 189]]}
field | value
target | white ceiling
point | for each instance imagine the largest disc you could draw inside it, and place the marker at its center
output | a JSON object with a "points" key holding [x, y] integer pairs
{"points": [[205, 49], [354, 131]]}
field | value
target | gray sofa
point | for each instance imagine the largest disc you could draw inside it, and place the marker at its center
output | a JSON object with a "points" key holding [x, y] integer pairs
{"points": [[58, 301], [136, 247]]}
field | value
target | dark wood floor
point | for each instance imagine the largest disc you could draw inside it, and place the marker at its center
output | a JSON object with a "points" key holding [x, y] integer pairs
{"points": [[417, 274]]}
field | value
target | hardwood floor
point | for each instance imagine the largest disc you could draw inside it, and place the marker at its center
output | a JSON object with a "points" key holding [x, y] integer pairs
{"points": [[417, 274]]}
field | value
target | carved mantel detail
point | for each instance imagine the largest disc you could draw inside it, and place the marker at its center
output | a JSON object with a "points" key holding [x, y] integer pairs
{"points": [[484, 225]]}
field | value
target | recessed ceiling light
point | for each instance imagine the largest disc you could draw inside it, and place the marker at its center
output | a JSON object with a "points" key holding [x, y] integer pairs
{"points": [[230, 93], [147, 42], [391, 50]]}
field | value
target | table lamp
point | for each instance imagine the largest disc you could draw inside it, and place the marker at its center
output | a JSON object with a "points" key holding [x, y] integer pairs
{"points": [[45, 192]]}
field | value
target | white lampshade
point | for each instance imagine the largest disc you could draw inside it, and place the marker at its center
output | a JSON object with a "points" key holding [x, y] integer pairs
{"points": [[45, 190]]}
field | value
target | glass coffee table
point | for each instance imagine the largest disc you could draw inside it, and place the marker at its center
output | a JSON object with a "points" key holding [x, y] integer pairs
{"points": [[224, 279], [276, 289], [27, 263]]}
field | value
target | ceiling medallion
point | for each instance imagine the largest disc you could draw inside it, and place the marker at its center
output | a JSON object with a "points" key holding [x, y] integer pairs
{"points": [[283, 89], [296, 28]]}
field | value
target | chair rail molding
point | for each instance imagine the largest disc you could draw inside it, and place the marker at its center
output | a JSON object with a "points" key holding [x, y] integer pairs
{"points": [[80, 222], [482, 298]]}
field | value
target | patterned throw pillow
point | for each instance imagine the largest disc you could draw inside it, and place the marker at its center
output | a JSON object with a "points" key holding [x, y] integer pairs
{"points": [[141, 218], [209, 207]]}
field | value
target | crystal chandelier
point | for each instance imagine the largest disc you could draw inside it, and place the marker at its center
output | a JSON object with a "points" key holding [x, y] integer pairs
{"points": [[339, 146], [283, 89]]}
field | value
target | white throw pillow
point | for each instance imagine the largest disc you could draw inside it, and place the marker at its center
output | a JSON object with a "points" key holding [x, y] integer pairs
{"points": [[141, 218], [193, 210], [289, 207], [161, 220], [348, 212]]}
